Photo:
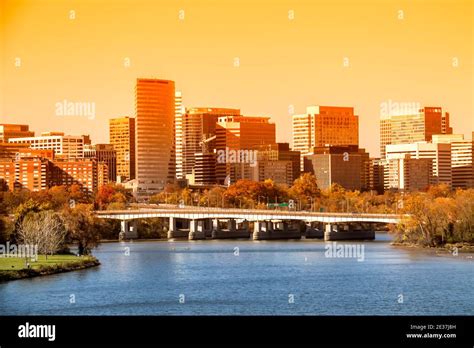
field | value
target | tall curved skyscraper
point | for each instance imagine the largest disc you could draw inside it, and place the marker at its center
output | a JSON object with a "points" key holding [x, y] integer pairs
{"points": [[155, 117]]}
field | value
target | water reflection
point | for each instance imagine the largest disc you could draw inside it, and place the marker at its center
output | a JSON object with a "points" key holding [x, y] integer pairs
{"points": [[149, 279]]}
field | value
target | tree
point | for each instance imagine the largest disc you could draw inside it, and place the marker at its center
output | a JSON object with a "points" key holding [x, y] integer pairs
{"points": [[23, 210], [82, 227], [54, 233], [170, 195], [44, 229], [29, 231], [11, 200], [305, 189], [58, 196], [216, 196], [464, 207], [111, 193], [241, 191], [334, 198], [437, 217], [441, 190], [4, 230], [3, 185]]}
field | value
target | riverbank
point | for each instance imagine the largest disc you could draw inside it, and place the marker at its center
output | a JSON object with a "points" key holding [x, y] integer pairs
{"points": [[16, 268], [456, 249]]}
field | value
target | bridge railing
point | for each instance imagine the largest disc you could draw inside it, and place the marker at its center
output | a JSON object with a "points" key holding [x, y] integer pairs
{"points": [[237, 211]]}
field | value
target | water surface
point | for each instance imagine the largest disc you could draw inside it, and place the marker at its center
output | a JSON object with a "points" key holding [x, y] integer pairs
{"points": [[266, 277]]}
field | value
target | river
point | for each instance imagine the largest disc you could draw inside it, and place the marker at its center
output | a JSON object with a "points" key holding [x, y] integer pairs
{"points": [[250, 278]]}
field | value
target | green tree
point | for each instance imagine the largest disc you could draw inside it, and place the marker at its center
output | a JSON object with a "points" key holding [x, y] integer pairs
{"points": [[83, 227]]}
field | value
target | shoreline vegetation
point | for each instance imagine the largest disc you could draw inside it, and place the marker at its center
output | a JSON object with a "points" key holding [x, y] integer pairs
{"points": [[51, 219], [453, 249], [14, 268]]}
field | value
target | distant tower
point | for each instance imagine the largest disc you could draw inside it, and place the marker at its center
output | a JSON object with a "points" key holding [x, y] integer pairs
{"points": [[324, 126], [155, 131], [410, 127], [179, 114], [122, 137]]}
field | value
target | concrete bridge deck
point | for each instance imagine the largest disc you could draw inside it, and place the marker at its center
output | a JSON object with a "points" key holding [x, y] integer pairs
{"points": [[267, 224], [194, 213]]}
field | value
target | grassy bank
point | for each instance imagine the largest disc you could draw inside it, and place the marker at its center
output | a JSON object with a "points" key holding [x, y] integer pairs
{"points": [[16, 268]]}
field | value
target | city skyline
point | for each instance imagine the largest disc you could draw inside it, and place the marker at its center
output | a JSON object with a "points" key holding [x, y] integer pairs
{"points": [[269, 67], [275, 159]]}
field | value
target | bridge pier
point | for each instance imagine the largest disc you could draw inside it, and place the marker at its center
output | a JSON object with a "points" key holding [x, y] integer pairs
{"points": [[314, 231], [208, 228], [128, 229], [232, 231], [174, 231], [258, 231], [333, 232], [215, 228], [197, 230], [265, 230], [171, 227]]}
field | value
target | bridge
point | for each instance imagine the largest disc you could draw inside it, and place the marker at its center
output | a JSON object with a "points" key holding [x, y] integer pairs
{"points": [[202, 223]]}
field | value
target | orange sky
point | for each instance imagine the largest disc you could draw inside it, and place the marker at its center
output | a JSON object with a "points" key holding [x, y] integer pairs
{"points": [[283, 62]]}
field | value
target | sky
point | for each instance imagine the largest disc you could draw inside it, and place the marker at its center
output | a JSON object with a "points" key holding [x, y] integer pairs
{"points": [[266, 57]]}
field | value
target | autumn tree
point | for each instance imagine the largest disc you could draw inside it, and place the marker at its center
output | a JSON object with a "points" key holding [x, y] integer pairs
{"points": [[464, 209], [437, 217], [305, 186], [112, 193], [169, 195], [216, 196], [82, 227]]}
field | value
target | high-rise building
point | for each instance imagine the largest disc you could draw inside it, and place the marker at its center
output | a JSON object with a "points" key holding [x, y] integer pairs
{"points": [[204, 171], [122, 138], [324, 126], [199, 133], [279, 171], [9, 131], [277, 162], [237, 141], [103, 153], [440, 155], [461, 158], [64, 146], [178, 124], [10, 150], [347, 166], [155, 128], [87, 173], [376, 170], [30, 173], [411, 128], [408, 174], [35, 170]]}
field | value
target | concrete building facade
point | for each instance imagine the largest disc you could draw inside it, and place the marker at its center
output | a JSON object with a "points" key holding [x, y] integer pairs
{"points": [[439, 154], [103, 153], [413, 127], [324, 126], [122, 138], [64, 146], [155, 134]]}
